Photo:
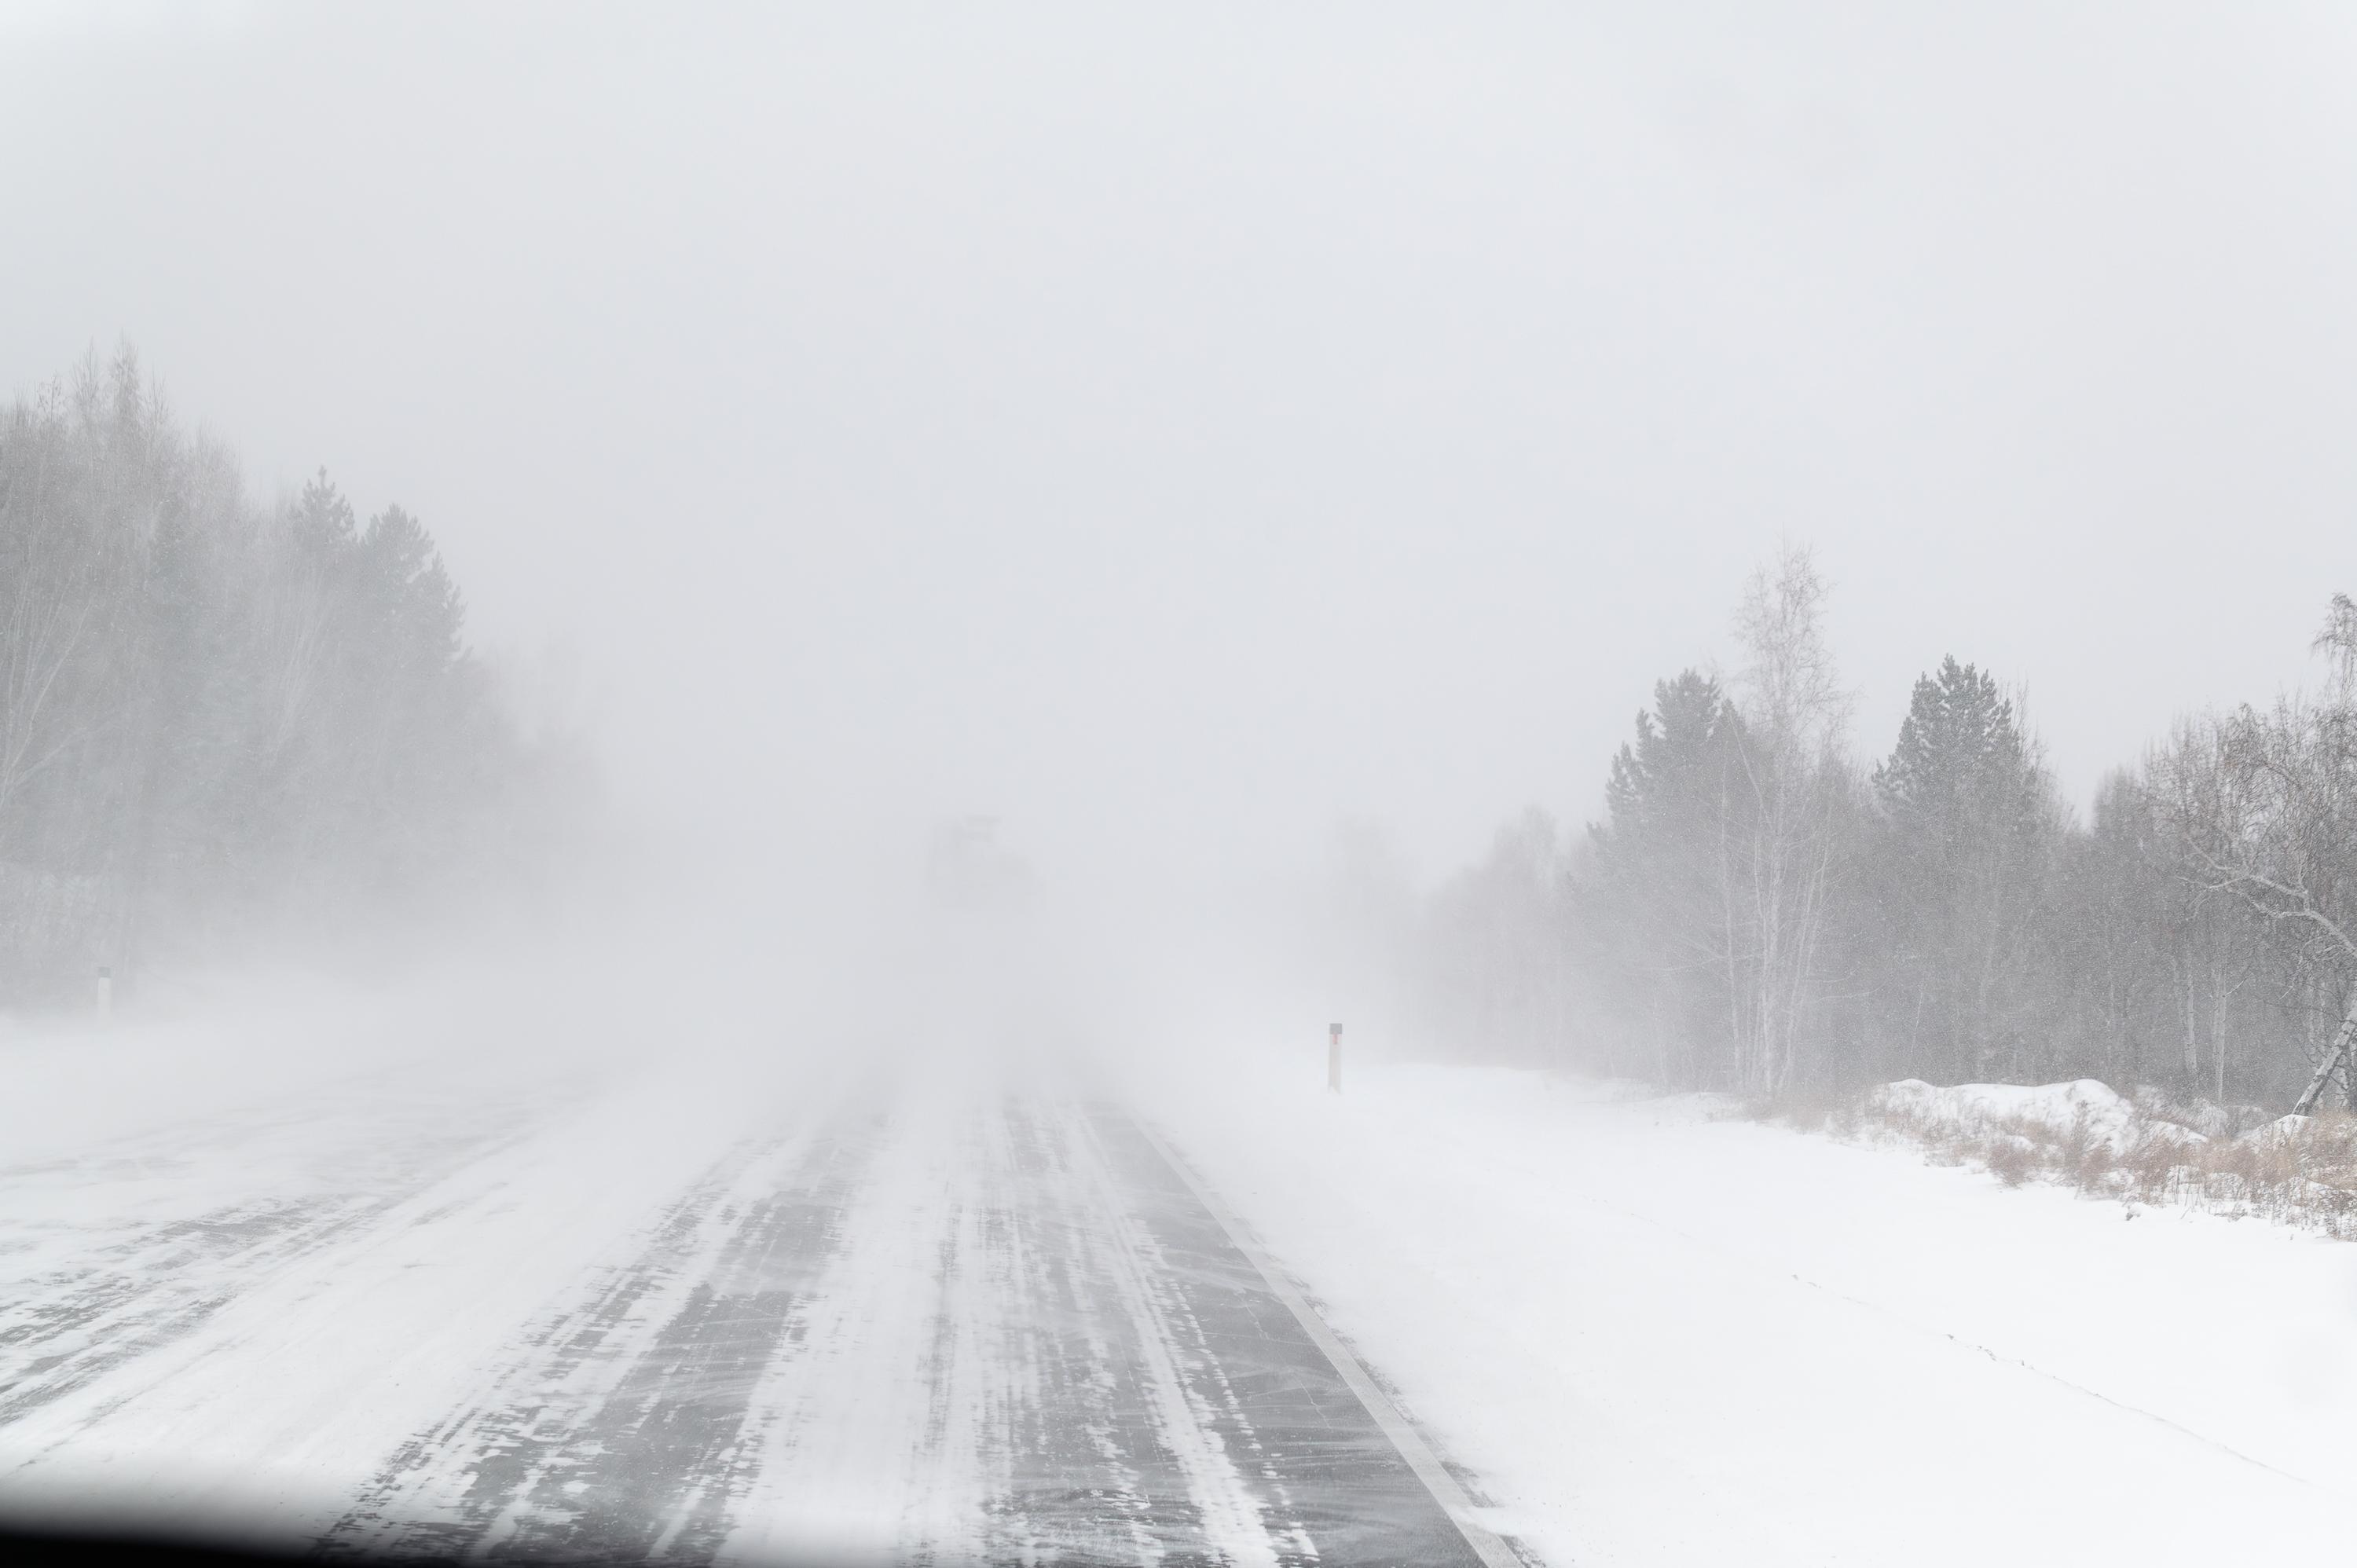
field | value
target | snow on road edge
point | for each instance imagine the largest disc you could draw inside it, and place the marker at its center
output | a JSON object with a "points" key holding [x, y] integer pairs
{"points": [[1665, 1338]]}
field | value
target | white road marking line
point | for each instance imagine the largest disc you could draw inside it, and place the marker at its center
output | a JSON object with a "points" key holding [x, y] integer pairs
{"points": [[1133, 1264], [1487, 1544]]}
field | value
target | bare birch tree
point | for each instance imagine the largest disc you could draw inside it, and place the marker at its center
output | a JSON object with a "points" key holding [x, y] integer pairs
{"points": [[57, 597], [206, 710], [1784, 845], [2266, 805]]}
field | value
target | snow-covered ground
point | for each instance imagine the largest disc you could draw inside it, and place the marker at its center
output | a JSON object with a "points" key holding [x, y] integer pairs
{"points": [[361, 1277], [1661, 1336]]}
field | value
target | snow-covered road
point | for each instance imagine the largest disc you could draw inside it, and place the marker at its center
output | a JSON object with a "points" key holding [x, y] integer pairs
{"points": [[950, 1323]]}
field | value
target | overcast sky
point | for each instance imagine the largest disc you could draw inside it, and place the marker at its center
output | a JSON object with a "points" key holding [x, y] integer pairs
{"points": [[1177, 429]]}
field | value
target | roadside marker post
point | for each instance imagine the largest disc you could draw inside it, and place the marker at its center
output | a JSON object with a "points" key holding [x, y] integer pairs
{"points": [[1334, 1058], [105, 993]]}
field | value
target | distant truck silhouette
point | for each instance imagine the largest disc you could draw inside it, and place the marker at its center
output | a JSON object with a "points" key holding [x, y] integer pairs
{"points": [[968, 868]]}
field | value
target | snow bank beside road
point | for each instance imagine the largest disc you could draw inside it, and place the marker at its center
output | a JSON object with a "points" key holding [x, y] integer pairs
{"points": [[1662, 1338], [2104, 1114], [2294, 1170]]}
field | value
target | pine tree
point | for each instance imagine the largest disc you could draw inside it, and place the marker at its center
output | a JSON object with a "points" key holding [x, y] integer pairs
{"points": [[1961, 802], [1655, 901]]}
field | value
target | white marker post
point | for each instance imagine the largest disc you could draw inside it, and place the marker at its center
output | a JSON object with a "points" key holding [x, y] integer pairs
{"points": [[105, 993], [1334, 1058]]}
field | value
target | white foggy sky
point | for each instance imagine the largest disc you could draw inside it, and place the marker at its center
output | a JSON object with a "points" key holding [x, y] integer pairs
{"points": [[1175, 432]]}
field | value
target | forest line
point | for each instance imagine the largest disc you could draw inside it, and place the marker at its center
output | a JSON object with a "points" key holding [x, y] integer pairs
{"points": [[220, 717], [1760, 910]]}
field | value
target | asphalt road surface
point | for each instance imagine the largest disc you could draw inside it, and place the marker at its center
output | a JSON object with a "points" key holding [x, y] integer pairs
{"points": [[979, 1327]]}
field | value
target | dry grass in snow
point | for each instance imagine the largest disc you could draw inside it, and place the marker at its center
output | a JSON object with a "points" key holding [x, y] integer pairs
{"points": [[2149, 1149]]}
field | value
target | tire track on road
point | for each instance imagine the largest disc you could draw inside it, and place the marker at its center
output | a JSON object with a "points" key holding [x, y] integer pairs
{"points": [[1332, 1478], [1037, 1346], [622, 1434]]}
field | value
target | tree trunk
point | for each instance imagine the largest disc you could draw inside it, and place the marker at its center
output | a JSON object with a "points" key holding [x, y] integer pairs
{"points": [[2333, 1057]]}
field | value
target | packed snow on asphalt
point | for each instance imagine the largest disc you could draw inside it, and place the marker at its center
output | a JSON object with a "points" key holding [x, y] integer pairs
{"points": [[733, 1306]]}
